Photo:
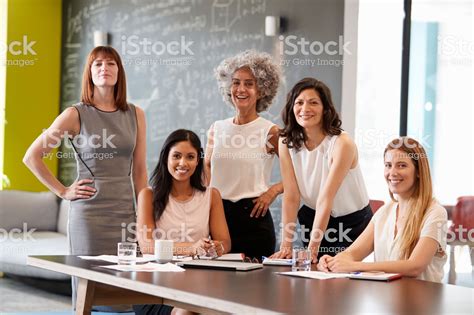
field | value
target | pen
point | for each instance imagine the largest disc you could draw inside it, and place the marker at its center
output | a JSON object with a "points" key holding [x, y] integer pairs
{"points": [[209, 239]]}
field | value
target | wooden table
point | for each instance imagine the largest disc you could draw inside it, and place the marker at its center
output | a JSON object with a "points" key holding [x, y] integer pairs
{"points": [[256, 292]]}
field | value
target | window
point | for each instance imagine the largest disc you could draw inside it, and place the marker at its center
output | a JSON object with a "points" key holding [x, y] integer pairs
{"points": [[440, 93], [378, 87]]}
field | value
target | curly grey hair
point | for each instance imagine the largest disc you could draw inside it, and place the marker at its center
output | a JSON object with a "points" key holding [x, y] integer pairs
{"points": [[265, 70]]}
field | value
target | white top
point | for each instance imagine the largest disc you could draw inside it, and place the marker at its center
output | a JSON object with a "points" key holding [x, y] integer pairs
{"points": [[387, 248], [240, 165], [185, 221], [312, 169]]}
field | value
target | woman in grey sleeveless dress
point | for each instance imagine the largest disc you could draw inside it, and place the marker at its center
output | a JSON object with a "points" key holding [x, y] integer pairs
{"points": [[109, 142], [95, 224]]}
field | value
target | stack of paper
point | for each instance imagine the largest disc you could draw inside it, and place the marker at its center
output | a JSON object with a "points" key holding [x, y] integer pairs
{"points": [[320, 275], [144, 259], [277, 262], [114, 259], [149, 267]]}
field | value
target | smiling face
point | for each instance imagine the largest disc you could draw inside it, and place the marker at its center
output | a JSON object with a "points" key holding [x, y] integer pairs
{"points": [[244, 92], [308, 109], [104, 71], [182, 161], [400, 173]]}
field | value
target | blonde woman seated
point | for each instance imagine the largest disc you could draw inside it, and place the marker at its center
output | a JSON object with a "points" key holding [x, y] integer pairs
{"points": [[179, 207], [408, 235]]}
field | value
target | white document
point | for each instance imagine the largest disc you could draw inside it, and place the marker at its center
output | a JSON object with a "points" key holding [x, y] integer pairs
{"points": [[144, 259], [277, 262], [148, 267], [320, 275], [114, 258]]}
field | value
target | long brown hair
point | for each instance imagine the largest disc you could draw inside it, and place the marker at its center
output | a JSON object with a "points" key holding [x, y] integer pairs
{"points": [[120, 88], [294, 135], [422, 196]]}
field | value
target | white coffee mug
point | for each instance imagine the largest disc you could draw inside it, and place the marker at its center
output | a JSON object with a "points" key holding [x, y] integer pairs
{"points": [[163, 251]]}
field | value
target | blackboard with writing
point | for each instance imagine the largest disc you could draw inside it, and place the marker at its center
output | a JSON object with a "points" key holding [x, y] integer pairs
{"points": [[171, 48]]}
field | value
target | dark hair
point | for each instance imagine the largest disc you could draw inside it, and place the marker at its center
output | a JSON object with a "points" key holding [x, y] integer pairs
{"points": [[120, 88], [161, 179], [293, 134]]}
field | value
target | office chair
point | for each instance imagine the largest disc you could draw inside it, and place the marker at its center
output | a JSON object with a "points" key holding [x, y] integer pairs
{"points": [[459, 232], [375, 204]]}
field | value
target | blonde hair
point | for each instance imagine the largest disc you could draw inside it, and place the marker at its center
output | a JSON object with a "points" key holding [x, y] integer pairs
{"points": [[422, 196]]}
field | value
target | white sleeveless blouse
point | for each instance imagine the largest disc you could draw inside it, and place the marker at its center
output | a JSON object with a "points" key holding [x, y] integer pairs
{"points": [[240, 165], [312, 169]]}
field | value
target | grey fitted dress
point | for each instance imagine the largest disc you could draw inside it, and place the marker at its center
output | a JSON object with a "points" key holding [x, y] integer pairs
{"points": [[104, 151]]}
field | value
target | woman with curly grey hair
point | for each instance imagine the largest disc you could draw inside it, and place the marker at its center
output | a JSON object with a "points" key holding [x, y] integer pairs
{"points": [[241, 150]]}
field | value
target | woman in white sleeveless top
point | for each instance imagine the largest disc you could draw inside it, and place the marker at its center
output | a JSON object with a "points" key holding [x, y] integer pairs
{"points": [[179, 207], [408, 235], [319, 165], [241, 150]]}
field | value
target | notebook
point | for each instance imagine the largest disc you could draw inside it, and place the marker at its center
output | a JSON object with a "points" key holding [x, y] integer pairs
{"points": [[219, 264]]}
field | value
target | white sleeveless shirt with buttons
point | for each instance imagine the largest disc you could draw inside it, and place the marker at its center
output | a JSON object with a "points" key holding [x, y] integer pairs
{"points": [[240, 165], [312, 169]]}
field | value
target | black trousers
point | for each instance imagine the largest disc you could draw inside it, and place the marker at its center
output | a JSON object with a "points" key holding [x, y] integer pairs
{"points": [[341, 231], [152, 309], [255, 237]]}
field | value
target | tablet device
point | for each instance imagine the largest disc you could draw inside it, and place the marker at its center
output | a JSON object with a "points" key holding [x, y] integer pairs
{"points": [[219, 264]]}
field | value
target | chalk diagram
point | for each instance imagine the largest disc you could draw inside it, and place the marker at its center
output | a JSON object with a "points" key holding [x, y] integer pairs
{"points": [[185, 102], [224, 14]]}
